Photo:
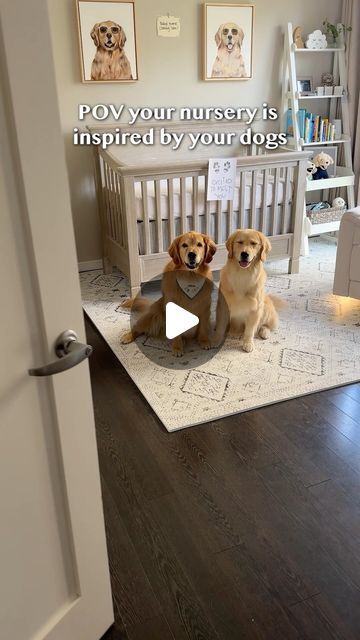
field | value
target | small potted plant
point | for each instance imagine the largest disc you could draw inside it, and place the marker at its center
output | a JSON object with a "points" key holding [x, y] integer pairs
{"points": [[335, 33]]}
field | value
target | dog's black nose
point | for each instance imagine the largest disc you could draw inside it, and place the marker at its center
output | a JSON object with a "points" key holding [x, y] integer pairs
{"points": [[244, 255], [192, 256], [109, 36], [230, 36]]}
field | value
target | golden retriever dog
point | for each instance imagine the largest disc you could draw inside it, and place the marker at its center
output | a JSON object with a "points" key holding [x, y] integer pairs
{"points": [[110, 61], [186, 281], [229, 62], [243, 304]]}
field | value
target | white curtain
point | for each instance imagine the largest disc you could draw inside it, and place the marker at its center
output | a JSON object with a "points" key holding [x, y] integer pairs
{"points": [[351, 17]]}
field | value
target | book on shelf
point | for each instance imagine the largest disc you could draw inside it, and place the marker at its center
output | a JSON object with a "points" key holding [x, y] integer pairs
{"points": [[312, 127], [301, 122]]}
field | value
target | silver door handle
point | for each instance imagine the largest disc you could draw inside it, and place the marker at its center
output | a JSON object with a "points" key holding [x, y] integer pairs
{"points": [[69, 351]]}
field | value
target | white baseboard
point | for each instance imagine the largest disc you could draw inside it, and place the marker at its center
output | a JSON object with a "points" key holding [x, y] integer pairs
{"points": [[90, 265]]}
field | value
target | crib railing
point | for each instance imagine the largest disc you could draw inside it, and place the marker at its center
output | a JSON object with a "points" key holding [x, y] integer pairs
{"points": [[143, 208]]}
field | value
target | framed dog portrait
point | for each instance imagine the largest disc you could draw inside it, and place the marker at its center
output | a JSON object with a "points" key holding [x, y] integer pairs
{"points": [[228, 41], [107, 41]]}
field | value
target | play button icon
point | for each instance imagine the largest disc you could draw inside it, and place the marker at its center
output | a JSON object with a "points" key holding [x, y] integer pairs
{"points": [[178, 320]]}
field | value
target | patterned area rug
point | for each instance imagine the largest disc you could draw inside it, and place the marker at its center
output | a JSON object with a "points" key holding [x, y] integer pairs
{"points": [[317, 346]]}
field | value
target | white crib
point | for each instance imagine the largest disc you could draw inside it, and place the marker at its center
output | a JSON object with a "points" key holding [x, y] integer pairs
{"points": [[146, 199]]}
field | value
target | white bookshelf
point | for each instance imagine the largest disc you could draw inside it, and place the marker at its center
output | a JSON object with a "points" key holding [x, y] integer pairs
{"points": [[291, 98]]}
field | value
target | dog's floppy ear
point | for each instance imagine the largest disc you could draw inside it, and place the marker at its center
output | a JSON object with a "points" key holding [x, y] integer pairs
{"points": [[230, 244], [218, 35], [95, 34], [265, 246], [210, 249], [241, 34], [122, 37], [173, 251]]}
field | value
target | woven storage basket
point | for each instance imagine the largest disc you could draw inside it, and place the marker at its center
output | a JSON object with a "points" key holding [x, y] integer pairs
{"points": [[325, 215]]}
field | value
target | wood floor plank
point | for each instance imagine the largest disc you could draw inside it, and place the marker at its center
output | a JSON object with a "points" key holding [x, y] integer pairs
{"points": [[347, 404], [318, 620], [341, 586], [322, 408], [154, 629], [133, 597], [352, 390]]}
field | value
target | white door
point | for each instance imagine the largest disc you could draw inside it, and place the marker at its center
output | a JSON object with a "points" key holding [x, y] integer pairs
{"points": [[54, 580]]}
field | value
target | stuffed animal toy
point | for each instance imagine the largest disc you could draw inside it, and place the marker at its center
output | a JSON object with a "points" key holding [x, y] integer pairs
{"points": [[299, 42], [310, 170], [338, 203], [322, 161]]}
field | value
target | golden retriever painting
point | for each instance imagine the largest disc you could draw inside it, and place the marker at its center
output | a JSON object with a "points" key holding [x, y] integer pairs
{"points": [[244, 307], [187, 282], [229, 62], [110, 61]]}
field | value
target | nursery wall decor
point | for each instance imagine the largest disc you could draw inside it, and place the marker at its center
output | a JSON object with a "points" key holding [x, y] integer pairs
{"points": [[316, 40], [297, 35], [107, 41], [228, 41], [168, 26]]}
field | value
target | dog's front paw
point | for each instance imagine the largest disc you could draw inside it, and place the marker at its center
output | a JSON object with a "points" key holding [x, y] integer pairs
{"points": [[248, 346], [127, 337], [264, 333], [178, 352], [205, 344], [215, 341]]}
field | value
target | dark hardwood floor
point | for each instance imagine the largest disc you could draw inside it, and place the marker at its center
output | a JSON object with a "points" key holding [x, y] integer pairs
{"points": [[244, 528]]}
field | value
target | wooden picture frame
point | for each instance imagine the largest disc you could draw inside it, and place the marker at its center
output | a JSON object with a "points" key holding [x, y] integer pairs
{"points": [[228, 33], [107, 41], [305, 85]]}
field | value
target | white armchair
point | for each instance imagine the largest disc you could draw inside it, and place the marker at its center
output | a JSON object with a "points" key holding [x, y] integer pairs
{"points": [[347, 270]]}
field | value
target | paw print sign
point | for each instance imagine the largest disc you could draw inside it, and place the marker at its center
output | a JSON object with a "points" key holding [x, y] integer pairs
{"points": [[221, 179], [316, 40]]}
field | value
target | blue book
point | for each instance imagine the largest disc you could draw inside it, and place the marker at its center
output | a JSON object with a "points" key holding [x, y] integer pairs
{"points": [[301, 122]]}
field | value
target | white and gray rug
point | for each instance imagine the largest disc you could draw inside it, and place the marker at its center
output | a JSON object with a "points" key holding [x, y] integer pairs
{"points": [[317, 346]]}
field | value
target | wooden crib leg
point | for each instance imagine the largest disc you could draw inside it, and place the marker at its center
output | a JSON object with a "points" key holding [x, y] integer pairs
{"points": [[294, 265], [107, 266], [134, 290]]}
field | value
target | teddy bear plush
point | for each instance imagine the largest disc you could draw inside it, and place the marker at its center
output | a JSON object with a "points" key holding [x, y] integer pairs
{"points": [[310, 170], [322, 161]]}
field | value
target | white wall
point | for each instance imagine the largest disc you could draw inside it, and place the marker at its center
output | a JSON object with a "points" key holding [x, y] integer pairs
{"points": [[169, 70]]}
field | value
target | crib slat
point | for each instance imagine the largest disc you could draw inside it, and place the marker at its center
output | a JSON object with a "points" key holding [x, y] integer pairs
{"points": [[230, 212], [112, 204], [275, 204], [117, 208], [264, 200], [207, 207], [242, 199], [170, 188], [108, 201], [254, 179], [115, 205], [158, 216], [145, 208], [122, 238], [218, 222], [195, 195], [183, 204], [286, 204]]}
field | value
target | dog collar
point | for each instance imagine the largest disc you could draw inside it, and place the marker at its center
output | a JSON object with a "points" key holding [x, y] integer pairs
{"points": [[191, 289]]}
